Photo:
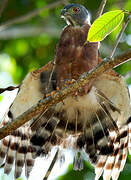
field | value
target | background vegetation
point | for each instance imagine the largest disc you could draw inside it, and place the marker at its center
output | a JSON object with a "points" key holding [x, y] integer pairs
{"points": [[28, 45]]}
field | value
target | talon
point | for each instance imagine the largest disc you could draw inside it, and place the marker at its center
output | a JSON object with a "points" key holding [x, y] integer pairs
{"points": [[73, 80], [63, 102], [57, 88], [47, 95], [76, 96], [53, 93], [76, 93]]}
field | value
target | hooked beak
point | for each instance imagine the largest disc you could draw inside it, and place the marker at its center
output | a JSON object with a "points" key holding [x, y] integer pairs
{"points": [[64, 13]]}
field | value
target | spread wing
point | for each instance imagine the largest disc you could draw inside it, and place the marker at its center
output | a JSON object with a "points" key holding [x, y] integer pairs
{"points": [[104, 121], [115, 89], [16, 148], [94, 121]]}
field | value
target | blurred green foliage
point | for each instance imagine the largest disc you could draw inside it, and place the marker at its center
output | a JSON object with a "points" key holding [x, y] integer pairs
{"points": [[88, 173], [23, 53]]}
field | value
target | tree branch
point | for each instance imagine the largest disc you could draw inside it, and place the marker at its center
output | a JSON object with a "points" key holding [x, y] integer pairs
{"points": [[101, 8], [51, 165], [120, 35], [48, 102], [2, 6], [10, 88], [30, 14], [29, 31]]}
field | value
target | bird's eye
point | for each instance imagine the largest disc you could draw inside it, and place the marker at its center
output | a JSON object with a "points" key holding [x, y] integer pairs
{"points": [[76, 10]]}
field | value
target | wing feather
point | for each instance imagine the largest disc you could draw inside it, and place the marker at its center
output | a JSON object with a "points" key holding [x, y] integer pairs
{"points": [[99, 167]]}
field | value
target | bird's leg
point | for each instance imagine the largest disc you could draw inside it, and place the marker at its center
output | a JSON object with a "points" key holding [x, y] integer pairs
{"points": [[78, 161]]}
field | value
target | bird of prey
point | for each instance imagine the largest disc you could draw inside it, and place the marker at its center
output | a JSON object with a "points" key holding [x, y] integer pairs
{"points": [[94, 120]]}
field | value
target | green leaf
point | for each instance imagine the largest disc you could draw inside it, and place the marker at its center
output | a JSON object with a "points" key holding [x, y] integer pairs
{"points": [[104, 25], [1, 97]]}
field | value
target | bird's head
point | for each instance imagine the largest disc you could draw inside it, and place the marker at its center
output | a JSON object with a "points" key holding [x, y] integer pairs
{"points": [[75, 14]]}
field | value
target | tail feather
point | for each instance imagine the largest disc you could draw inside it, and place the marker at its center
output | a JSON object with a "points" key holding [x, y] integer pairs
{"points": [[108, 167], [11, 154], [101, 133], [21, 152], [124, 149], [110, 159], [18, 158], [16, 147], [99, 167], [104, 144], [129, 132], [4, 148], [44, 135], [41, 119], [19, 163], [115, 162], [112, 164], [29, 161], [122, 154], [4, 143]]}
